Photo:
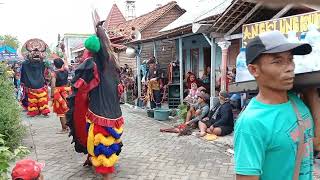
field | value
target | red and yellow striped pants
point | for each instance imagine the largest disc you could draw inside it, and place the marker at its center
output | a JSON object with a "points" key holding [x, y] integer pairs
{"points": [[60, 106], [38, 101]]}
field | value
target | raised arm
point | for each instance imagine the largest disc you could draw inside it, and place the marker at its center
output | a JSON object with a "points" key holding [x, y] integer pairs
{"points": [[53, 84], [66, 64]]}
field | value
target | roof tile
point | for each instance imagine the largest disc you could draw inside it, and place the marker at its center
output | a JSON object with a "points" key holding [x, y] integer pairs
{"points": [[141, 22], [115, 17]]}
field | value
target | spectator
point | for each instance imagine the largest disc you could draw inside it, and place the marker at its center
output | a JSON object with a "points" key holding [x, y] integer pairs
{"points": [[235, 100], [191, 79], [218, 83], [206, 75], [274, 135], [126, 67], [220, 119], [27, 169], [17, 85], [193, 92], [187, 77], [202, 90], [199, 111], [130, 72], [233, 74], [121, 70], [154, 84]]}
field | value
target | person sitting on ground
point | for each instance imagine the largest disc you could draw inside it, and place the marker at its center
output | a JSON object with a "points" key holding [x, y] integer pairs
{"points": [[192, 96], [199, 111], [192, 79], [27, 169], [220, 119]]}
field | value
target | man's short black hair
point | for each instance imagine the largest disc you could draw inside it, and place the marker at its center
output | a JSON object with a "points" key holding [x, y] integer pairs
{"points": [[58, 63]]}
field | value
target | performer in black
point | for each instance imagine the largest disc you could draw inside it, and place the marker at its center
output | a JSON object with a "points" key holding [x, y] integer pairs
{"points": [[32, 77], [95, 117]]}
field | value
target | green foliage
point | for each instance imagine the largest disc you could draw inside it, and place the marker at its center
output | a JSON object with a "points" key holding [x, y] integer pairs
{"points": [[11, 41], [60, 54], [7, 156], [183, 110], [10, 122]]}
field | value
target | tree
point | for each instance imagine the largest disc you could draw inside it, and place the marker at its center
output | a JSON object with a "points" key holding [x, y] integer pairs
{"points": [[11, 41]]}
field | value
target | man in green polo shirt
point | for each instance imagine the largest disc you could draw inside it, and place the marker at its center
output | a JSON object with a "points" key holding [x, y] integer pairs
{"points": [[267, 133]]}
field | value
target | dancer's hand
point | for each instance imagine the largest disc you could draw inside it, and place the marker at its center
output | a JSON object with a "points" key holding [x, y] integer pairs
{"points": [[62, 47]]}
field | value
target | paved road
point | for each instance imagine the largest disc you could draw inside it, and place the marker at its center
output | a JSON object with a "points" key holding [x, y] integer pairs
{"points": [[147, 153]]}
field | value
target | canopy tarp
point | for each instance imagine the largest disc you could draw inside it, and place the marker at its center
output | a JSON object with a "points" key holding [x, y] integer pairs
{"points": [[7, 49]]}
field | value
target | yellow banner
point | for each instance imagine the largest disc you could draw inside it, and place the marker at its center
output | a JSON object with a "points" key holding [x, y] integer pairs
{"points": [[298, 23]]}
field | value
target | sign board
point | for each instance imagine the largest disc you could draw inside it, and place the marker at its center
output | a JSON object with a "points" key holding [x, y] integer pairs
{"points": [[303, 28]]}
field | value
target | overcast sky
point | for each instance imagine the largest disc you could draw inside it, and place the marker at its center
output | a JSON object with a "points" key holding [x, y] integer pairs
{"points": [[46, 18]]}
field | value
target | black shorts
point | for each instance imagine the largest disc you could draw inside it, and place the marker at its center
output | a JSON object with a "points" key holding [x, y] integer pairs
{"points": [[225, 130], [208, 123]]}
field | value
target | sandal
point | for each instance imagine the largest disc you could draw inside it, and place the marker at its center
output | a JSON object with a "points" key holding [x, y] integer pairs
{"points": [[87, 162]]}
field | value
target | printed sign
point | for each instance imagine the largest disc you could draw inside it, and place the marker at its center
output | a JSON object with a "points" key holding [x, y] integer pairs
{"points": [[302, 28], [298, 24]]}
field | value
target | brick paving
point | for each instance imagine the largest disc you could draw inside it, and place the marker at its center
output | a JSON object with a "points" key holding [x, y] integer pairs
{"points": [[147, 153]]}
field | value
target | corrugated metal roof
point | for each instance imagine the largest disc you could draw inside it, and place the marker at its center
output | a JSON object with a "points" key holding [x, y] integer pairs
{"points": [[203, 10]]}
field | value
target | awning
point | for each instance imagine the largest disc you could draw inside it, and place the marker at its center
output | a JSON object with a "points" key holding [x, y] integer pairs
{"points": [[204, 9], [8, 49]]}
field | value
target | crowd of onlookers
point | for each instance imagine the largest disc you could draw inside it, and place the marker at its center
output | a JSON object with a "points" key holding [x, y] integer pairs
{"points": [[218, 120], [128, 83]]}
